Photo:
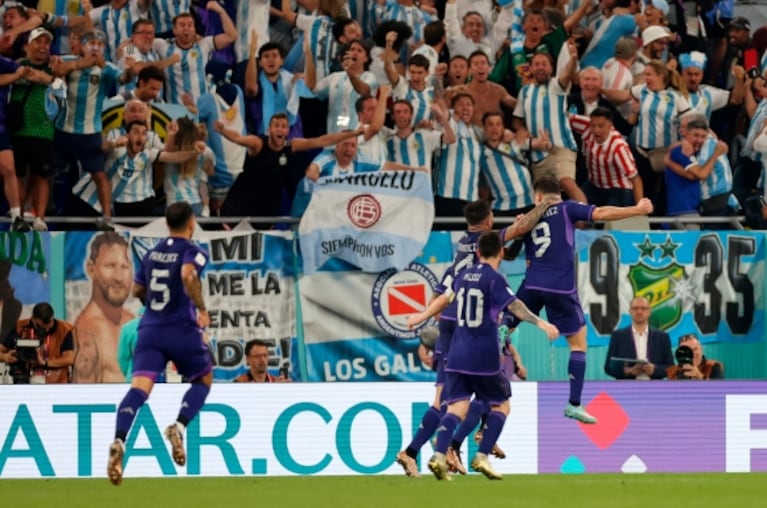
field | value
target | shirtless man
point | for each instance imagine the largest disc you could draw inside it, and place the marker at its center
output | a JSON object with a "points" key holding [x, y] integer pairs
{"points": [[488, 96], [98, 325]]}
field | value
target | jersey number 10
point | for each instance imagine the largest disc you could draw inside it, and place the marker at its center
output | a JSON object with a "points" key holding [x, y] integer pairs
{"points": [[470, 305]]}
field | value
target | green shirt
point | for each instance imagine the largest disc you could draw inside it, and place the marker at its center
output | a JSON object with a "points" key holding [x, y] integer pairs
{"points": [[36, 123]]}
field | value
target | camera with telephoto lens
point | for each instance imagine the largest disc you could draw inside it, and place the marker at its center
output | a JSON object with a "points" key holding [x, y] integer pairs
{"points": [[26, 353], [684, 356]]}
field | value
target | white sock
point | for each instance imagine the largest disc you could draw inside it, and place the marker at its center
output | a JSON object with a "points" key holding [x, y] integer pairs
{"points": [[15, 212]]}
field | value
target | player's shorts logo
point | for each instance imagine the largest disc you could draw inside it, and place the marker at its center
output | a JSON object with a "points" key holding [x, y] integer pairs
{"points": [[397, 295], [364, 211]]}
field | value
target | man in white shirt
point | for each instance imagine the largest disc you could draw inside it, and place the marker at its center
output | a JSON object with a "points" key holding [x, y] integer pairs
{"points": [[648, 347]]}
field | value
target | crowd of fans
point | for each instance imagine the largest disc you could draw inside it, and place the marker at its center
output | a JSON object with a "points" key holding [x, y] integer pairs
{"points": [[620, 99]]}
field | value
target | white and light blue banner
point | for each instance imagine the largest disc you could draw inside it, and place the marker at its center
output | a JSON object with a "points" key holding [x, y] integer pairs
{"points": [[248, 288], [375, 221], [707, 283], [250, 292], [354, 323]]}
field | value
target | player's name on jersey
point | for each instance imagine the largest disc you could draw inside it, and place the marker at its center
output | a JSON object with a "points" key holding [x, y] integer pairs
{"points": [[385, 180], [163, 257]]}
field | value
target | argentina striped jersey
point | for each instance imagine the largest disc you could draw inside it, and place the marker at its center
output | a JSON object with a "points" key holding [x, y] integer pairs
{"points": [[657, 126], [188, 75], [544, 108], [86, 91], [117, 24], [178, 188], [324, 47], [459, 164], [508, 179], [416, 150]]}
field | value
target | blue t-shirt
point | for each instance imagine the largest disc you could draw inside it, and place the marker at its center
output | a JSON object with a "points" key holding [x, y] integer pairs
{"points": [[167, 303], [682, 195]]}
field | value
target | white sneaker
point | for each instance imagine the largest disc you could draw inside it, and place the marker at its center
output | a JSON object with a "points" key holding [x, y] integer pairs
{"points": [[39, 224], [481, 464]]}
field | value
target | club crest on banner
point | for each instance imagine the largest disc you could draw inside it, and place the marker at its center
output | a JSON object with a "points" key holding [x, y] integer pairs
{"points": [[658, 286], [397, 295], [364, 211]]}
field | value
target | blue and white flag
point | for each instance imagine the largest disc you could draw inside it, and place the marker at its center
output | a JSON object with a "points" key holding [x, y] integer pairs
{"points": [[375, 221]]}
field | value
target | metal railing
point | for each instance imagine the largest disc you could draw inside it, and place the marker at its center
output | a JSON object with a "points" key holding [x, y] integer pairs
{"points": [[735, 221]]}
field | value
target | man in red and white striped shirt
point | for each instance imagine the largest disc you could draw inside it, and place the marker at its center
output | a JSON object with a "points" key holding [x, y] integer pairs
{"points": [[613, 178]]}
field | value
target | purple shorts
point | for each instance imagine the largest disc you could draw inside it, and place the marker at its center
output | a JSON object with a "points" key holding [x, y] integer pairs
{"points": [[562, 310], [493, 388], [441, 348], [157, 345]]}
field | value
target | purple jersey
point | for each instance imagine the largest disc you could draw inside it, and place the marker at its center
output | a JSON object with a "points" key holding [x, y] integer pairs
{"points": [[481, 293], [550, 248], [166, 300], [465, 256]]}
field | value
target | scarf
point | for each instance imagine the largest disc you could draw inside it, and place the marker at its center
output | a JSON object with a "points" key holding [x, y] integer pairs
{"points": [[283, 99]]}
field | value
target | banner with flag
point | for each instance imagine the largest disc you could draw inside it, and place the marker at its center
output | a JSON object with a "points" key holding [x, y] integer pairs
{"points": [[707, 283], [354, 323], [375, 221]]}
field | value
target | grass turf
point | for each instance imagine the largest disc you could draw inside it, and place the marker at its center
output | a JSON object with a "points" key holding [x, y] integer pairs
{"points": [[542, 491]]}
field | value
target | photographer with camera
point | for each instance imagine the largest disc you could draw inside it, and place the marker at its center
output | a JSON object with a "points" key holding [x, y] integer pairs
{"points": [[691, 364], [41, 348]]}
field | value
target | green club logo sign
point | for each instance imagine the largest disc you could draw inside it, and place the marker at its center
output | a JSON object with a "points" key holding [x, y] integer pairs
{"points": [[663, 286]]}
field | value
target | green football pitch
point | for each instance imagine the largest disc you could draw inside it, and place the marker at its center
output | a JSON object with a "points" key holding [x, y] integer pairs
{"points": [[542, 491]]}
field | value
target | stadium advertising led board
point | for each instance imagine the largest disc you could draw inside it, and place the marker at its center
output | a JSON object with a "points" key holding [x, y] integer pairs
{"points": [[350, 429]]}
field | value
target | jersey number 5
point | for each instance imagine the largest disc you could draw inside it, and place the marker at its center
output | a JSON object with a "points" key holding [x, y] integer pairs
{"points": [[158, 286]]}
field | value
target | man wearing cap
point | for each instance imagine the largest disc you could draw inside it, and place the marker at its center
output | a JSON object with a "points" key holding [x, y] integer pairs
{"points": [[705, 98], [77, 138], [740, 51], [33, 142], [11, 73], [655, 40]]}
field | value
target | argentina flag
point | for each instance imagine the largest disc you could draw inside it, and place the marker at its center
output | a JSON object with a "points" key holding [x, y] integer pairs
{"points": [[374, 221]]}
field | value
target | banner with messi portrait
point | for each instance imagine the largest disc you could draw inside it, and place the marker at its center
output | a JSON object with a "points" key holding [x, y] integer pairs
{"points": [[248, 287]]}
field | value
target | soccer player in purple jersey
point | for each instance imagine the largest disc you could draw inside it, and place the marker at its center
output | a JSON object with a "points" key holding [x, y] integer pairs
{"points": [[474, 360], [479, 218], [550, 276], [168, 283]]}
